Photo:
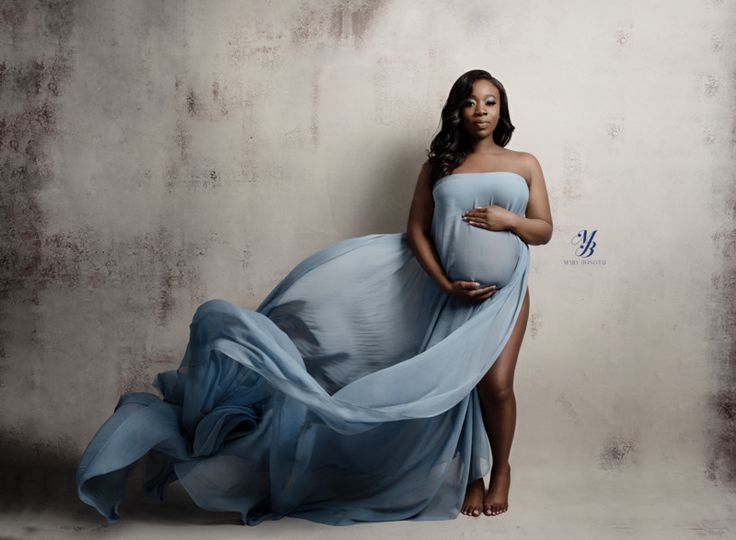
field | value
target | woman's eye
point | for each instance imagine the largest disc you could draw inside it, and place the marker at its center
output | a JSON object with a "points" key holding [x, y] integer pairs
{"points": [[471, 103]]}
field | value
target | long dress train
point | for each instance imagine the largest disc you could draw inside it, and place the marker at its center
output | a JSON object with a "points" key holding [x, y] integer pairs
{"points": [[347, 396]]}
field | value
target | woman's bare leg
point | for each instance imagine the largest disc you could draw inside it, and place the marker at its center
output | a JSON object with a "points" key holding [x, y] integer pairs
{"points": [[498, 406]]}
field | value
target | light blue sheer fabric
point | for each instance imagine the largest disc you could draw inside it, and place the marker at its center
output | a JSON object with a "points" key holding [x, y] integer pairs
{"points": [[347, 396]]}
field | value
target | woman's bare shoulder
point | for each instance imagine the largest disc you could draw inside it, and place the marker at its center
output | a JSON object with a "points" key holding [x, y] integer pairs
{"points": [[525, 158], [526, 162]]}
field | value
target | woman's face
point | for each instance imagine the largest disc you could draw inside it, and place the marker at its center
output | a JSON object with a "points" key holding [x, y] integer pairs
{"points": [[480, 110]]}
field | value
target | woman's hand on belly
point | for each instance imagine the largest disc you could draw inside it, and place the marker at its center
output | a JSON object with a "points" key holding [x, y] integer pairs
{"points": [[470, 290], [491, 217]]}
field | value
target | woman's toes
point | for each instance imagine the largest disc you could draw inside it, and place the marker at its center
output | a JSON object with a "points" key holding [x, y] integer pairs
{"points": [[471, 511]]}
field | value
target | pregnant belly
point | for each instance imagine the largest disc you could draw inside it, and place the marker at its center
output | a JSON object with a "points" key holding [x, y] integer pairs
{"points": [[475, 254]]}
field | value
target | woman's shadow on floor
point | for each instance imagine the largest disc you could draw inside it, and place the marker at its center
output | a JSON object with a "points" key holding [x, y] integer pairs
{"points": [[47, 487]]}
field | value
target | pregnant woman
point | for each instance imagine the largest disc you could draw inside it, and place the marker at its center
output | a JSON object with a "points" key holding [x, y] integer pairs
{"points": [[367, 384], [465, 225]]}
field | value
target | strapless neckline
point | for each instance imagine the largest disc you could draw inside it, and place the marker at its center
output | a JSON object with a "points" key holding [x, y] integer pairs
{"points": [[512, 173]]}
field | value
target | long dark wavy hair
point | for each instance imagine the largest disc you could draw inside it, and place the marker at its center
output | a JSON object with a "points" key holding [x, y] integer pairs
{"points": [[452, 144]]}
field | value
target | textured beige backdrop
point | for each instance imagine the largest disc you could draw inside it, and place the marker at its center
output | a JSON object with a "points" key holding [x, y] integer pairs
{"points": [[154, 155]]}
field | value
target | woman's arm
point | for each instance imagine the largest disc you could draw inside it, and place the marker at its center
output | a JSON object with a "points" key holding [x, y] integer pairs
{"points": [[536, 227], [418, 229]]}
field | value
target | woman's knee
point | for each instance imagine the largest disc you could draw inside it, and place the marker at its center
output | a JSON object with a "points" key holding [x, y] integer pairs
{"points": [[496, 388], [500, 394]]}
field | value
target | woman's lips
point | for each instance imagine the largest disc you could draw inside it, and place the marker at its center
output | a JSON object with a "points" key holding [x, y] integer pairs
{"points": [[481, 125]]}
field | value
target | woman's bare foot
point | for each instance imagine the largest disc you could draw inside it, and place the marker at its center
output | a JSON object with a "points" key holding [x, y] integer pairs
{"points": [[496, 500], [473, 503]]}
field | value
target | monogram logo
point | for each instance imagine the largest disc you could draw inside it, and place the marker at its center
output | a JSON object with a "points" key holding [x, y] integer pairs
{"points": [[585, 243]]}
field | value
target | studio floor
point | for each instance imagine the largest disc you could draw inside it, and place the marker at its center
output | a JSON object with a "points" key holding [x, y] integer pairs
{"points": [[43, 504]]}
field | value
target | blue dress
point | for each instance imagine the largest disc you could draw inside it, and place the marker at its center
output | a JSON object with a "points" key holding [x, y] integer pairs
{"points": [[347, 396]]}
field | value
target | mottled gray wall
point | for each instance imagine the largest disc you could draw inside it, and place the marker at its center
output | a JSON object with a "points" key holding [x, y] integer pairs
{"points": [[157, 154]]}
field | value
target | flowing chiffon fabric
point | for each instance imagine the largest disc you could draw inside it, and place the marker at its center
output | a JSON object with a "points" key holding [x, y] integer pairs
{"points": [[347, 396]]}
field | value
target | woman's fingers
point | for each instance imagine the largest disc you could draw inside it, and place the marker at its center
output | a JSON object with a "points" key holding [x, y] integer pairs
{"points": [[483, 291], [483, 297], [472, 289]]}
